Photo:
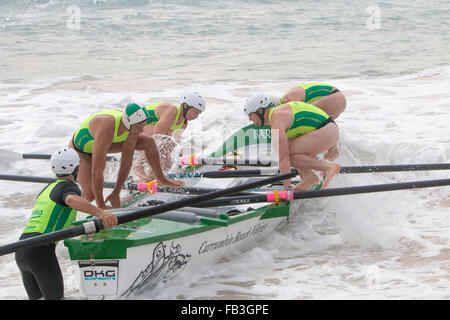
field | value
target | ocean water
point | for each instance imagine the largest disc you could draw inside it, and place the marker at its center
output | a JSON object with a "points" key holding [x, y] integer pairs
{"points": [[61, 61]]}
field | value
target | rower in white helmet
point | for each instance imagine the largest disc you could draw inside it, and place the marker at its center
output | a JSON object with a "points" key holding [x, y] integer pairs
{"points": [[166, 123], [303, 132], [114, 131], [55, 209]]}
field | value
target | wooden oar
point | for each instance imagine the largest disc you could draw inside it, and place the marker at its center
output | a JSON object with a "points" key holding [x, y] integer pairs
{"points": [[97, 225], [330, 192]]}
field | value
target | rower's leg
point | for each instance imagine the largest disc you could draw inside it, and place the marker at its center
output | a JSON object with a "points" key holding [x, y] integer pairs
{"points": [[308, 179], [304, 150], [332, 153], [85, 177], [333, 104]]}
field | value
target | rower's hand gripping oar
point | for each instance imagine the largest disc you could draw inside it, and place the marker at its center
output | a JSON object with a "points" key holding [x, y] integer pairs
{"points": [[97, 225]]}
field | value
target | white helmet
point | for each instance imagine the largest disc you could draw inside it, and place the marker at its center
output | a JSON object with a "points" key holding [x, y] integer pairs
{"points": [[195, 100], [256, 101], [64, 161], [133, 114]]}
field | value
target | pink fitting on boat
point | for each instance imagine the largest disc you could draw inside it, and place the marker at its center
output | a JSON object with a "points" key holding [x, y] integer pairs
{"points": [[142, 187], [151, 187], [283, 196], [190, 160]]}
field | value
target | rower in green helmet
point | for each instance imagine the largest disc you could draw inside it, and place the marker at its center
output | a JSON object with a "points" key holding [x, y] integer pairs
{"points": [[55, 209], [166, 123], [303, 132], [114, 131]]}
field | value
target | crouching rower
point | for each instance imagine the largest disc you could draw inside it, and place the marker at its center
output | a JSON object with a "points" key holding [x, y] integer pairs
{"points": [[166, 123], [304, 131], [323, 96], [114, 131], [55, 209]]}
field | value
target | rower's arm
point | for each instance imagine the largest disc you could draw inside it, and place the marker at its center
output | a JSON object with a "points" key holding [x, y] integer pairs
{"points": [[284, 161], [126, 160], [103, 136], [80, 204]]}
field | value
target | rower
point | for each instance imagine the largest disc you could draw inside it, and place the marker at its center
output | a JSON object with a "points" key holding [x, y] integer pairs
{"points": [[55, 209], [169, 122], [324, 96], [304, 131], [114, 131]]}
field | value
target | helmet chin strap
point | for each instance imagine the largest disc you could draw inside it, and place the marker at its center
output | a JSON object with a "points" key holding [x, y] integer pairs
{"points": [[261, 116], [185, 110], [75, 173]]}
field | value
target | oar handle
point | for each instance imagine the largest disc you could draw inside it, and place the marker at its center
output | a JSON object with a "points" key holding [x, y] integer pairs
{"points": [[89, 227]]}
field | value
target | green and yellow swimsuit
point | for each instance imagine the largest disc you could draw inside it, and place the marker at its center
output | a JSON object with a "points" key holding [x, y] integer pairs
{"points": [[83, 141], [306, 118], [315, 91], [153, 119]]}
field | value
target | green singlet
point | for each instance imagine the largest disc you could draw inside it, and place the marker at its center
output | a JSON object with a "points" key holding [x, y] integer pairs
{"points": [[306, 118], [47, 215], [83, 140], [153, 119]]}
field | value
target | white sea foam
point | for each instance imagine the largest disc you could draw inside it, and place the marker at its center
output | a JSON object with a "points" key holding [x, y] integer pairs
{"points": [[390, 245]]}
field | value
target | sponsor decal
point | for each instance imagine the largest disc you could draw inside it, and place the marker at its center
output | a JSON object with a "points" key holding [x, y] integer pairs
{"points": [[95, 274], [230, 239]]}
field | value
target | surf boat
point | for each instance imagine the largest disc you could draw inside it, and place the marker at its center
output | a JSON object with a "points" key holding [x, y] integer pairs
{"points": [[143, 254], [159, 239]]}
